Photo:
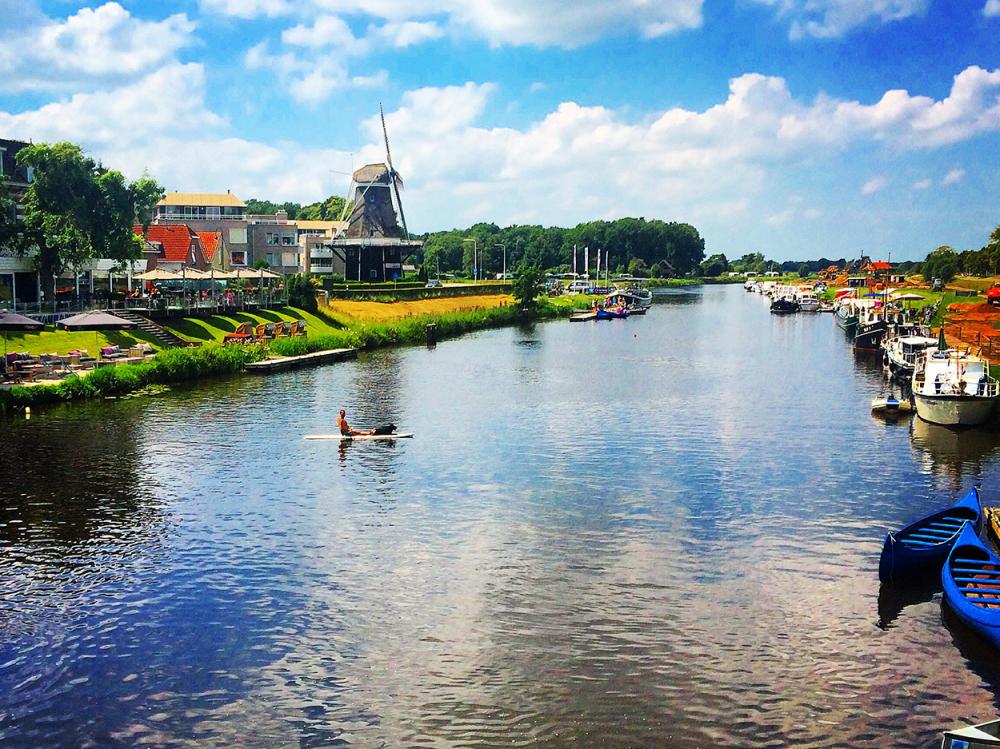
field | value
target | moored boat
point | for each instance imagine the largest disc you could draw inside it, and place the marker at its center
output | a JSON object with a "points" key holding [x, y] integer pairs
{"points": [[846, 316], [971, 582], [891, 406], [870, 330], [784, 306], [808, 302], [953, 388], [900, 352], [926, 543], [611, 314]]}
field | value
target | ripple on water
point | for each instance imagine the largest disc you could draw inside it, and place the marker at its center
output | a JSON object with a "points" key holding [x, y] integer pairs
{"points": [[653, 534]]}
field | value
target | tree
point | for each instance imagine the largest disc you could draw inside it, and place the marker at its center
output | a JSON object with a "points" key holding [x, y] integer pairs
{"points": [[146, 193], [803, 270], [261, 264], [76, 210], [301, 292], [527, 285], [942, 263], [715, 265], [637, 268]]}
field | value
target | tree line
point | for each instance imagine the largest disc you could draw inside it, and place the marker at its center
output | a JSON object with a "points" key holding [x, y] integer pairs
{"points": [[633, 245]]}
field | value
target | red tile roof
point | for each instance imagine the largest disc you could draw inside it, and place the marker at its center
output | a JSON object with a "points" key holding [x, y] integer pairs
{"points": [[176, 241], [209, 241], [879, 265]]}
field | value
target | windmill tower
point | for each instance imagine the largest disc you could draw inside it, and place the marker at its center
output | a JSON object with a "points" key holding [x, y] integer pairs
{"points": [[373, 214]]}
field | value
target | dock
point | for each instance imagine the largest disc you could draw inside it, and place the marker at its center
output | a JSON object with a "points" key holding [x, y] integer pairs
{"points": [[283, 363], [583, 316]]}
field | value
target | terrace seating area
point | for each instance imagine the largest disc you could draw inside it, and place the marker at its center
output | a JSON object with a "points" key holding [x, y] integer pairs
{"points": [[21, 368], [248, 333]]}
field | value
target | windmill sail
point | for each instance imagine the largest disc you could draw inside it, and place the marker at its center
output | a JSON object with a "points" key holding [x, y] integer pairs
{"points": [[397, 181]]}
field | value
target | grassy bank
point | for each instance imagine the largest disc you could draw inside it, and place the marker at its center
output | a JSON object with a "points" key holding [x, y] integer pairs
{"points": [[662, 283], [212, 329], [168, 366], [413, 329]]}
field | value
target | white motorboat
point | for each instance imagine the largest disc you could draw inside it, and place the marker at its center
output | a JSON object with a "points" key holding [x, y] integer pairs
{"points": [[900, 352], [808, 302], [953, 388]]}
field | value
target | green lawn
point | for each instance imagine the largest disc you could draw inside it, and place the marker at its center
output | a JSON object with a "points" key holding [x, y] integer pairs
{"points": [[207, 329], [197, 330], [52, 341]]}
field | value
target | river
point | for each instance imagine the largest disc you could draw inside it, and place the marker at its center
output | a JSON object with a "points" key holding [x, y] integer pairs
{"points": [[662, 531]]}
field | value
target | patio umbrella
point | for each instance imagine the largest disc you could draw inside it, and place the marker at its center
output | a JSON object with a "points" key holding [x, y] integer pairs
{"points": [[14, 321], [158, 274], [95, 321], [907, 297]]}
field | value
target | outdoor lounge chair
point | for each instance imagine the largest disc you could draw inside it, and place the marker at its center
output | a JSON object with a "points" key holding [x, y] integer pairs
{"points": [[279, 330], [243, 334], [293, 328], [269, 330], [302, 327], [286, 328], [260, 332]]}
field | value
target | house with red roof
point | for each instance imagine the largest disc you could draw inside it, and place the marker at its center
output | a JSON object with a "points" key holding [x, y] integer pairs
{"points": [[216, 252], [178, 246]]}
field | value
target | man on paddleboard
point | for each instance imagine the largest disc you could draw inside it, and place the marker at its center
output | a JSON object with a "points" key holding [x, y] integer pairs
{"points": [[345, 428]]}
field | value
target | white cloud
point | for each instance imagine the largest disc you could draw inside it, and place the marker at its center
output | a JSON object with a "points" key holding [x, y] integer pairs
{"points": [[92, 46], [500, 22], [248, 8], [953, 177], [407, 33], [923, 184], [992, 8], [873, 185], [781, 218], [826, 19], [537, 86], [694, 164]]}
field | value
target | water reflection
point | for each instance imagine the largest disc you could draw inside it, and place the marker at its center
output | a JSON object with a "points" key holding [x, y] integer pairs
{"points": [[960, 455], [658, 531]]}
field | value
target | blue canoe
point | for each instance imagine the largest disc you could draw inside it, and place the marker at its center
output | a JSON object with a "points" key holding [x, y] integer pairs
{"points": [[925, 544], [971, 582]]}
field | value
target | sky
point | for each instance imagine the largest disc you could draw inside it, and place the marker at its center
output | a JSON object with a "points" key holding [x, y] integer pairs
{"points": [[796, 128]]}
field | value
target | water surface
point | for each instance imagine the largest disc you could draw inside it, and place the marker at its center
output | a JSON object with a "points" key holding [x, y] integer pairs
{"points": [[662, 531]]}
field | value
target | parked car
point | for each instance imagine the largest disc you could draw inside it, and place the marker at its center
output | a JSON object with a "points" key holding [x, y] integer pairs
{"points": [[578, 287], [433, 284]]}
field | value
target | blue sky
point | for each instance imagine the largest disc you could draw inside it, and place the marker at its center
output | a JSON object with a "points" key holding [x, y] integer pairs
{"points": [[797, 128]]}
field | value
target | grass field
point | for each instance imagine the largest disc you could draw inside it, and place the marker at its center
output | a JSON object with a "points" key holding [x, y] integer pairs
{"points": [[209, 329], [52, 341]]}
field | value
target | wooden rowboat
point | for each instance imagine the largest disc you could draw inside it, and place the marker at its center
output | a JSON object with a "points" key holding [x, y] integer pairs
{"points": [[924, 545], [971, 582]]}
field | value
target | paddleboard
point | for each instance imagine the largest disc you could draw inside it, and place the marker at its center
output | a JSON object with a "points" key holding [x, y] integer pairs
{"points": [[357, 437]]}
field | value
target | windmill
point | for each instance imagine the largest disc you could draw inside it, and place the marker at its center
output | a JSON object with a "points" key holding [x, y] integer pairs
{"points": [[373, 214]]}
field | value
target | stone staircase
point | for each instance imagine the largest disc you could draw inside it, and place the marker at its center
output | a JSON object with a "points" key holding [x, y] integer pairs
{"points": [[163, 336]]}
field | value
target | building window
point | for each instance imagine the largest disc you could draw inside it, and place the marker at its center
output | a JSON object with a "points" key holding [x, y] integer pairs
{"points": [[238, 236], [270, 258], [272, 238], [287, 240], [239, 257], [213, 212]]}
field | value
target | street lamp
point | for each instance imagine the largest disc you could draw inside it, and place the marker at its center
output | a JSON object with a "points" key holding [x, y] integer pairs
{"points": [[504, 246]]}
